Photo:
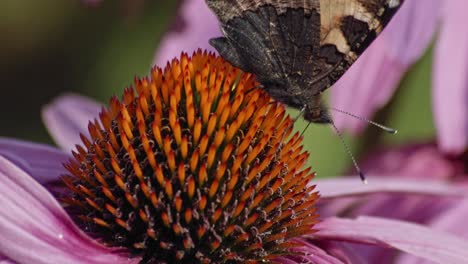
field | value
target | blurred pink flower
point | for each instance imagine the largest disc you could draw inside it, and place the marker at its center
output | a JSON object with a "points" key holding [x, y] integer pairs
{"points": [[36, 229], [375, 76], [193, 26]]}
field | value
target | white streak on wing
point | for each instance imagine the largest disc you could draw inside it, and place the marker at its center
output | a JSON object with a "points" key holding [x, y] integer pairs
{"points": [[393, 3], [331, 13]]}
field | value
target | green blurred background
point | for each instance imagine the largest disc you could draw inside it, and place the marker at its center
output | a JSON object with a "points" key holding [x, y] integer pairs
{"points": [[50, 47]]}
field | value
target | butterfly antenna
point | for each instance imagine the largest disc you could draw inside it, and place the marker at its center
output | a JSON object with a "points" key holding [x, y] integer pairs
{"points": [[253, 89], [350, 154], [384, 128], [248, 91], [301, 112], [303, 131]]}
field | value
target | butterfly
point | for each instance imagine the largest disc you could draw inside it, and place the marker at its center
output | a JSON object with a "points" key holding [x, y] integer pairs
{"points": [[299, 48]]}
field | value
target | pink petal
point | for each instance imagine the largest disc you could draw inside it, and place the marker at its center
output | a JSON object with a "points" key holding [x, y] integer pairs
{"points": [[373, 79], [313, 254], [412, 30], [411, 238], [419, 162], [424, 161], [4, 260], [409, 208], [352, 186], [343, 251], [410, 199], [68, 116], [42, 162], [450, 94], [452, 221], [199, 25], [35, 229]]}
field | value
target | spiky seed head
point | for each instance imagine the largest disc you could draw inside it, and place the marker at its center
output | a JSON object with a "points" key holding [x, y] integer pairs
{"points": [[194, 165]]}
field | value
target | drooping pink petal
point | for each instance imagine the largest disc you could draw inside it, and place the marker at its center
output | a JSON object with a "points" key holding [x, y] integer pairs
{"points": [[35, 229], [411, 31], [452, 221], [352, 186], [423, 161], [419, 162], [411, 238], [450, 93], [312, 254], [342, 251], [194, 26], [411, 200], [370, 83], [42, 162], [67, 116]]}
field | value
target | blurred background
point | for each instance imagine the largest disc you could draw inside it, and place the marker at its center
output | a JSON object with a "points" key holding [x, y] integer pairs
{"points": [[51, 47]]}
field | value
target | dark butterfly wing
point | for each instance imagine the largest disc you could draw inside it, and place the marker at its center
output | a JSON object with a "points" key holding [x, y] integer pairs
{"points": [[302, 46]]}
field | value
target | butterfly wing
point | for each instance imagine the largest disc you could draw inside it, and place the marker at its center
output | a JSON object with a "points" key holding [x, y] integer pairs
{"points": [[302, 46], [351, 25]]}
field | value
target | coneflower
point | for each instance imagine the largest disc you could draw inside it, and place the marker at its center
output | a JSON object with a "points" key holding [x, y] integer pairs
{"points": [[194, 163]]}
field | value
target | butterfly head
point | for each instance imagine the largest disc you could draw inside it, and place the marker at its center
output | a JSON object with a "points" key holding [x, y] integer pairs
{"points": [[294, 95], [317, 113]]}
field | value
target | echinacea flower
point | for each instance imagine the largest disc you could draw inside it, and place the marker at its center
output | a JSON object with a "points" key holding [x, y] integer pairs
{"points": [[190, 169], [194, 164]]}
